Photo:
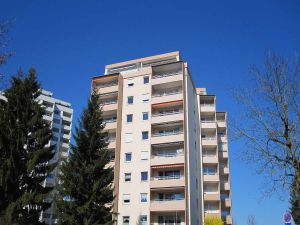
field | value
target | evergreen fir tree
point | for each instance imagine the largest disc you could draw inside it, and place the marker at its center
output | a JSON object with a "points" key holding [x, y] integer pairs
{"points": [[86, 184], [23, 155]]}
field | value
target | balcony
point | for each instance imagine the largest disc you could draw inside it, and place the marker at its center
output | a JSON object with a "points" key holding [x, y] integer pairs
{"points": [[222, 138], [167, 181], [228, 219], [167, 116], [223, 154], [167, 77], [228, 202], [224, 171], [221, 123], [111, 164], [211, 196], [110, 123], [110, 106], [209, 141], [167, 205], [169, 218], [107, 87], [167, 96], [208, 124], [65, 145], [163, 159], [112, 142], [207, 107], [211, 178], [210, 159], [167, 136], [225, 186]]}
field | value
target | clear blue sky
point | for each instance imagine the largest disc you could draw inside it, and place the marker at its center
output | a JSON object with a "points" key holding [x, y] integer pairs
{"points": [[70, 41]]}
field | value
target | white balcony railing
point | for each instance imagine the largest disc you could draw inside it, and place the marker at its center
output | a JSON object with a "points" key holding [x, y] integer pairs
{"points": [[166, 93], [168, 199], [110, 120], [167, 113], [209, 138], [171, 177], [167, 74], [108, 84], [168, 155], [167, 133], [109, 102]]}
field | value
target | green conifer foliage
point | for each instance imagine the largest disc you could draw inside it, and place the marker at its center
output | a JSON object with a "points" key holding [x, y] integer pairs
{"points": [[85, 192], [24, 156]]}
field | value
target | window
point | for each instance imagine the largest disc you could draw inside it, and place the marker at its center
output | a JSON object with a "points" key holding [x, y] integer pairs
{"points": [[145, 135], [54, 138], [210, 187], [127, 177], [143, 220], [56, 111], [130, 100], [144, 155], [54, 129], [67, 114], [56, 121], [128, 157], [145, 116], [146, 79], [145, 97], [126, 198], [128, 137], [50, 175], [144, 176], [129, 118], [126, 220], [209, 170], [144, 197], [130, 83]]}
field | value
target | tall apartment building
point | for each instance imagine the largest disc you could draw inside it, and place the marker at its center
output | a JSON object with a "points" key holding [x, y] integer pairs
{"points": [[59, 115], [168, 144]]}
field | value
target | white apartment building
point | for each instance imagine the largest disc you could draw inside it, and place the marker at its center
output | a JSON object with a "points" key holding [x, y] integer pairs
{"points": [[59, 115], [168, 144]]}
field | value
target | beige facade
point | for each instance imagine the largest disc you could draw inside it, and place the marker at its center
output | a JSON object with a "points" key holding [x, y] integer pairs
{"points": [[168, 144]]}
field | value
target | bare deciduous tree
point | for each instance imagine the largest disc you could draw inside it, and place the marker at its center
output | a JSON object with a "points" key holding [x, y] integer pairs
{"points": [[270, 121], [251, 220]]}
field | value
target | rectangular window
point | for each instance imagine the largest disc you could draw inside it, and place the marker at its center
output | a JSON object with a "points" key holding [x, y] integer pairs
{"points": [[128, 137], [128, 157], [145, 97], [54, 138], [54, 129], [143, 220], [126, 220], [144, 176], [129, 118], [130, 100], [127, 177], [146, 79], [56, 121], [144, 197], [144, 155], [145, 115], [145, 135], [130, 82], [126, 198]]}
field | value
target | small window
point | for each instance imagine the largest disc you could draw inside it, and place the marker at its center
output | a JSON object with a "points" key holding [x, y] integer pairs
{"points": [[128, 137], [145, 97], [145, 135], [145, 115], [126, 220], [129, 118], [130, 100], [128, 157], [146, 79], [54, 138], [143, 220], [54, 129], [144, 197], [144, 176], [127, 177], [144, 155], [56, 111], [126, 198], [56, 121], [50, 175], [130, 83]]}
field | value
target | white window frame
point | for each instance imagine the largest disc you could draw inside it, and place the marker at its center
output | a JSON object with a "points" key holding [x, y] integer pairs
{"points": [[144, 155]]}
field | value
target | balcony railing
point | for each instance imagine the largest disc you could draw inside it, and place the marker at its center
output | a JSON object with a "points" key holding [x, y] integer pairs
{"points": [[111, 139], [108, 84], [166, 93], [110, 120], [109, 102], [208, 121], [167, 133], [167, 113], [171, 177], [168, 199], [167, 155], [209, 138], [160, 75]]}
